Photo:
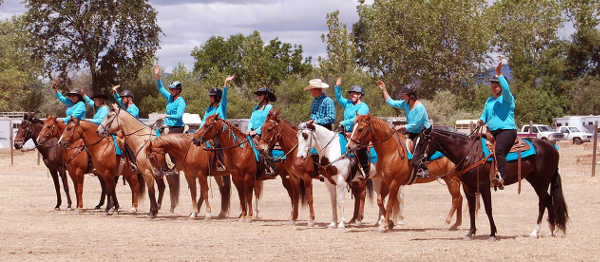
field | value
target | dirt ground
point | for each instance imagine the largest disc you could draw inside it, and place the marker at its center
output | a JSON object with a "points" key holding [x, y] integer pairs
{"points": [[30, 230]]}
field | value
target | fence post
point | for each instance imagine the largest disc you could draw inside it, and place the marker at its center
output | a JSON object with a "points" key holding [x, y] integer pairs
{"points": [[10, 141], [594, 149]]}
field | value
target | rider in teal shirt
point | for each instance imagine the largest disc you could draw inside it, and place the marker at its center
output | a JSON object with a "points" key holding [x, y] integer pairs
{"points": [[74, 102], [173, 117], [98, 103], [218, 106], [125, 100], [257, 120], [416, 115]]}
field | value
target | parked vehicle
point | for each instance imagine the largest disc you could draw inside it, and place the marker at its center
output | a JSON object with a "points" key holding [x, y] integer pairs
{"points": [[543, 132], [574, 134], [583, 123]]}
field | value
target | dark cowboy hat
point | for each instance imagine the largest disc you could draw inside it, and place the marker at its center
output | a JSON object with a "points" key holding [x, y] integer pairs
{"points": [[357, 89], [126, 93], [409, 90], [265, 90], [494, 79], [74, 92], [216, 92], [99, 95]]}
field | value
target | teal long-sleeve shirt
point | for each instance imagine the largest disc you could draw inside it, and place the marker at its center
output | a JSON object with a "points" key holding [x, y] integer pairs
{"points": [[220, 110], [132, 108], [76, 110], [258, 117], [416, 118], [499, 113], [101, 112], [350, 109], [175, 108]]}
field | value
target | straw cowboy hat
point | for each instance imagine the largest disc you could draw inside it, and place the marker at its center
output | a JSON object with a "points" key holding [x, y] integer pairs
{"points": [[316, 83]]}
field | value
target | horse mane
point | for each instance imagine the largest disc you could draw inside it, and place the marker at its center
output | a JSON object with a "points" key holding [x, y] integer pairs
{"points": [[181, 140], [475, 152]]}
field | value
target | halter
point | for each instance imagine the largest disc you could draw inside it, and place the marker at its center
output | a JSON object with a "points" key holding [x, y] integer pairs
{"points": [[311, 141], [271, 144], [400, 148], [81, 135], [109, 123], [225, 125]]}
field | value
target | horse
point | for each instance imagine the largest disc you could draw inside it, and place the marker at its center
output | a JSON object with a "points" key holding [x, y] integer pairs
{"points": [[336, 165], [540, 170], [278, 131], [239, 160], [194, 162], [369, 128], [74, 160], [137, 135], [105, 161], [51, 152]]}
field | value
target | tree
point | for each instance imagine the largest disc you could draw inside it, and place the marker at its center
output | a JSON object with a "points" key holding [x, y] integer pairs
{"points": [[19, 72], [112, 39], [341, 51]]}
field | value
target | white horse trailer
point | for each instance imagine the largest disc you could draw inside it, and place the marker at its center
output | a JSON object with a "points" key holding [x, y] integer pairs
{"points": [[583, 123]]}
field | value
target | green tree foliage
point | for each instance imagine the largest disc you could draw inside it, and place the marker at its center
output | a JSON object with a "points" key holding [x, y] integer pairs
{"points": [[19, 72], [341, 51], [584, 94], [112, 39]]}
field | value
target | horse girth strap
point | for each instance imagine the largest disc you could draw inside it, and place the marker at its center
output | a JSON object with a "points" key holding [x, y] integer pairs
{"points": [[227, 147], [79, 150], [474, 165]]}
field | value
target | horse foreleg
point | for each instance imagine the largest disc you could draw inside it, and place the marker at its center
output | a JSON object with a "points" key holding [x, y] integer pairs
{"points": [[65, 181], [103, 194], [204, 192], [149, 179], [239, 185], [290, 186], [54, 176], [160, 182], [381, 193], [393, 206], [471, 198], [487, 202], [332, 195], [250, 180], [454, 189], [356, 193], [309, 196], [191, 181]]}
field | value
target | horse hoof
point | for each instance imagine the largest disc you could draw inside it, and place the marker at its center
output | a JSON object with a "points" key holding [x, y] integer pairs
{"points": [[492, 239], [468, 237], [534, 234], [400, 222], [98, 207], [172, 210], [332, 225], [382, 229], [57, 209], [207, 217], [310, 224], [453, 228], [133, 210], [341, 225], [222, 215], [357, 223]]}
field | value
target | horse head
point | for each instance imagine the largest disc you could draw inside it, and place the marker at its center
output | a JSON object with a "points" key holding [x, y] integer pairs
{"points": [[362, 133], [52, 128], [271, 132], [72, 132], [423, 147], [213, 125], [306, 138], [110, 125]]}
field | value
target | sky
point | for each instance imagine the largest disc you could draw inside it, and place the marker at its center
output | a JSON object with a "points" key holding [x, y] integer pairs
{"points": [[189, 23]]}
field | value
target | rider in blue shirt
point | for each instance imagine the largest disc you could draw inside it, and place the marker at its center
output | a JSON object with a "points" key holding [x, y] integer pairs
{"points": [[218, 105], [352, 107], [173, 117], [415, 111], [322, 109], [125, 100], [73, 101], [499, 116], [257, 120], [97, 102]]}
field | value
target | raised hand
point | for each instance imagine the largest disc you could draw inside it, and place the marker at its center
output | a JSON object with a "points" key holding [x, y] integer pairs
{"points": [[54, 85], [499, 68], [381, 85], [82, 90], [157, 71], [114, 89], [338, 82], [228, 79]]}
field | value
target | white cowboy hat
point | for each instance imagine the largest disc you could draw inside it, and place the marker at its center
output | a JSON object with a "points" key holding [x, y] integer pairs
{"points": [[316, 83]]}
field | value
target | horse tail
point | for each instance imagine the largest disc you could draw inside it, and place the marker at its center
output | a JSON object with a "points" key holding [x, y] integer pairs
{"points": [[173, 181], [302, 192], [559, 207], [141, 186], [370, 189], [258, 187], [225, 194]]}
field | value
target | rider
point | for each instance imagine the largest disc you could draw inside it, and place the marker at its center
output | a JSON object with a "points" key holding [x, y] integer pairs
{"points": [[75, 105], [257, 120], [175, 103], [499, 116], [98, 103], [218, 105], [125, 100], [351, 108], [322, 109], [415, 111]]}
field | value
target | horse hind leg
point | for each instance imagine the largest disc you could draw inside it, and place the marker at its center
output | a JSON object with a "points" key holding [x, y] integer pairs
{"points": [[457, 199], [486, 195], [160, 182], [55, 181], [191, 181], [103, 194], [204, 194]]}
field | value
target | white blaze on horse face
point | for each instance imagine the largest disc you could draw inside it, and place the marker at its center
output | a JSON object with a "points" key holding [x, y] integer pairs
{"points": [[304, 139], [353, 131]]}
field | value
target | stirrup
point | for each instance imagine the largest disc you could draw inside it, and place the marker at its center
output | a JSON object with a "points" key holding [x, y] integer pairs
{"points": [[423, 173], [498, 182], [219, 167]]}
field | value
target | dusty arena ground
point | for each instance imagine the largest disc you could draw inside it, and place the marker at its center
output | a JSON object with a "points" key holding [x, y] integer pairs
{"points": [[30, 230]]}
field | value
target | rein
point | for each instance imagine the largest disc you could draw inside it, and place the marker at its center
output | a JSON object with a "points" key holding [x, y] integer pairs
{"points": [[225, 125]]}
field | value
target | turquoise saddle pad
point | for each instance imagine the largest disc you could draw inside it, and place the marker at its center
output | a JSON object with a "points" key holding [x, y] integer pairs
{"points": [[344, 142], [277, 154], [117, 149], [511, 156]]}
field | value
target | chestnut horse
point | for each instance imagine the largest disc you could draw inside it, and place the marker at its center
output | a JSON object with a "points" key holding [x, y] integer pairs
{"points": [[105, 161], [239, 160], [194, 162], [138, 135], [75, 158], [51, 152], [393, 160], [540, 170]]}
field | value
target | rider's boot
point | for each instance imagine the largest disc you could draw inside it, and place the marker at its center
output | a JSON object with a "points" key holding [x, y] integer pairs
{"points": [[220, 162], [423, 172], [498, 181]]}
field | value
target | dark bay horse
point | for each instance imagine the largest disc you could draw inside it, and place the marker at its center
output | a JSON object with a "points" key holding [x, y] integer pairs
{"points": [[540, 170], [195, 163], [138, 135], [75, 158], [104, 159], [51, 152], [239, 160], [392, 158]]}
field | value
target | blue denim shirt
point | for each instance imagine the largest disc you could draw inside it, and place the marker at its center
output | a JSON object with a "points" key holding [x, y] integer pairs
{"points": [[322, 110]]}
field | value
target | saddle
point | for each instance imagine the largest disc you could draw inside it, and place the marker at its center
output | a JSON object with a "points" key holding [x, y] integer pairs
{"points": [[518, 146]]}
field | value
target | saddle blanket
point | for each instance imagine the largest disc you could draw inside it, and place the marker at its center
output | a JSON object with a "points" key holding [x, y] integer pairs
{"points": [[510, 156], [277, 154], [435, 156]]}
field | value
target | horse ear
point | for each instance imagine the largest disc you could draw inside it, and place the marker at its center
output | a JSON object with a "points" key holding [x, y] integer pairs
{"points": [[277, 114]]}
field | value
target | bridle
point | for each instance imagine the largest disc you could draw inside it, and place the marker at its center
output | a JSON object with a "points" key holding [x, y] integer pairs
{"points": [[80, 133], [104, 128], [219, 132], [273, 140], [370, 131]]}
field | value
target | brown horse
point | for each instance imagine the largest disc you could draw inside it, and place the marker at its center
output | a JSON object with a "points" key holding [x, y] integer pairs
{"points": [[239, 160], [104, 159], [194, 162], [51, 152], [283, 133], [75, 158], [394, 166], [137, 135]]}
